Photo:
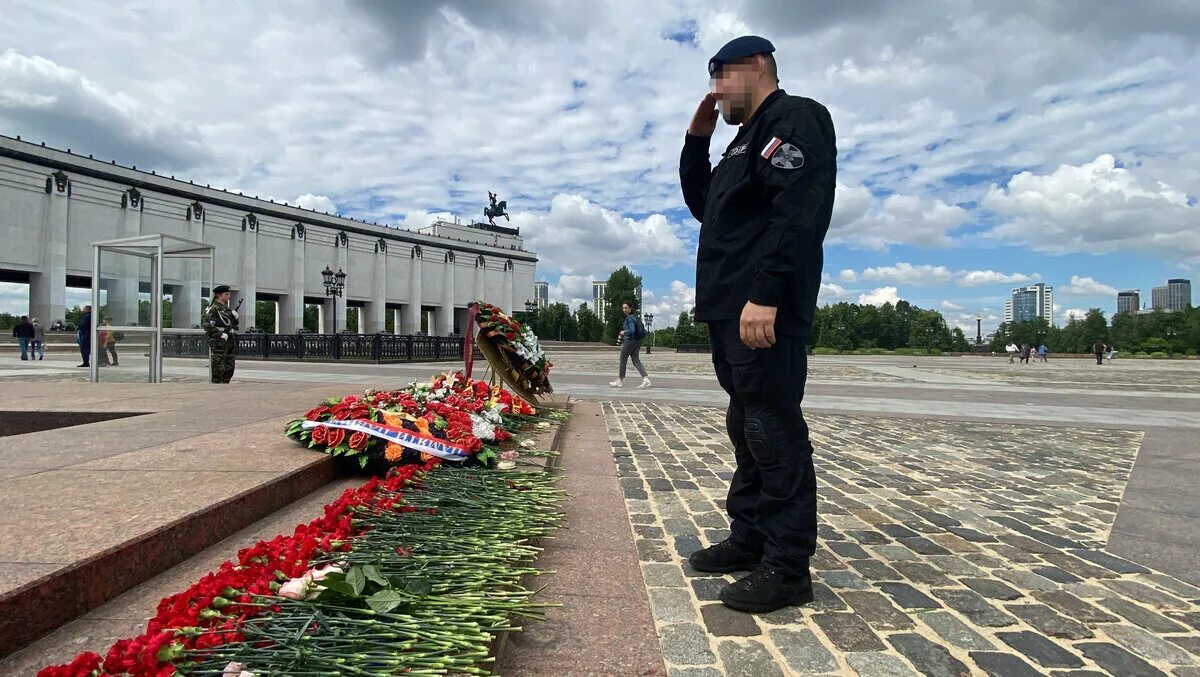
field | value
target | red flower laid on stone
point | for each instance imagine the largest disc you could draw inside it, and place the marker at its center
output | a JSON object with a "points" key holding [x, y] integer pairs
{"points": [[317, 413], [358, 441]]}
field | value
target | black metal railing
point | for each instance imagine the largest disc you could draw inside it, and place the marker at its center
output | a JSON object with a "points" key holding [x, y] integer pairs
{"points": [[693, 348], [326, 347]]}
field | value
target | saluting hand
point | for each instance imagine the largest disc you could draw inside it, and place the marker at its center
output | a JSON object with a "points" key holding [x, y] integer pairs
{"points": [[757, 327], [704, 122]]}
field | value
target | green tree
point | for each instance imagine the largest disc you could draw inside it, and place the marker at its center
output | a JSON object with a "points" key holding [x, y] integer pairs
{"points": [[622, 288], [264, 316], [351, 319], [590, 327], [312, 318], [389, 321], [556, 320], [959, 341], [688, 331]]}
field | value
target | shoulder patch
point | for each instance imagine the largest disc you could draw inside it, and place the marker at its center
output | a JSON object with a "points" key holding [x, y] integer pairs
{"points": [[782, 154]]}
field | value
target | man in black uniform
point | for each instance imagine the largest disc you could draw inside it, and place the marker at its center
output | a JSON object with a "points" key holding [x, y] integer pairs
{"points": [[764, 212]]}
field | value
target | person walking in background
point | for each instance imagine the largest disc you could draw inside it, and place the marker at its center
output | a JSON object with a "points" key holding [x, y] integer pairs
{"points": [[83, 335], [38, 345], [1011, 349], [24, 333], [631, 335], [1098, 351], [1026, 351], [109, 344], [1043, 352]]}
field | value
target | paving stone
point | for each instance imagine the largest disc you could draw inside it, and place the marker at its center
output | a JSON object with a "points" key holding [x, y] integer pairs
{"points": [[1003, 664], [1025, 580], [897, 553], [686, 644], [643, 518], [1191, 618], [1148, 646], [1079, 673], [924, 546], [877, 610], [972, 605], [708, 589], [1146, 594], [972, 535], [648, 531], [1049, 621], [919, 572], [874, 570], [1025, 543], [1190, 644], [955, 632], [653, 550], [1174, 585], [678, 526], [898, 531], [843, 579], [1117, 660], [848, 632], [909, 597], [722, 621], [990, 587], [956, 566], [1141, 616], [715, 536], [848, 550], [696, 672], [929, 658], [823, 561], [868, 537], [686, 545], [669, 605], [1042, 651], [872, 664], [663, 575], [749, 659], [803, 652], [1073, 607], [1013, 554], [1057, 575], [1112, 562], [712, 520]]}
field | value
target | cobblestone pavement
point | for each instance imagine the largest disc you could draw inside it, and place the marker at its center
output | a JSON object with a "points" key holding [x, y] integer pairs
{"points": [[1113, 375], [701, 365], [946, 549]]}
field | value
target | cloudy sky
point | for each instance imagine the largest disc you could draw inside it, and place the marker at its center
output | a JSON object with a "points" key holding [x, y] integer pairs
{"points": [[981, 144]]}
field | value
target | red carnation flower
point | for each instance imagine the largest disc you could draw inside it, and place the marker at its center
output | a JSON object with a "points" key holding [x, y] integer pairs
{"points": [[320, 434], [335, 437]]}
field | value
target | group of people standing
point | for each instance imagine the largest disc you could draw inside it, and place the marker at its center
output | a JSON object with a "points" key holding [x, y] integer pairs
{"points": [[1026, 351], [31, 337]]}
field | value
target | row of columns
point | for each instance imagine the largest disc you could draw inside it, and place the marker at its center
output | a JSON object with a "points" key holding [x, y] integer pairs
{"points": [[120, 275]]}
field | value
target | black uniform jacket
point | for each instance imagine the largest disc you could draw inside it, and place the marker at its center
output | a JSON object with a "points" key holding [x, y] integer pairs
{"points": [[763, 212]]}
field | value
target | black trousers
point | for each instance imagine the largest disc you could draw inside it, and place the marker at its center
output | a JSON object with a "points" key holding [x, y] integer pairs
{"points": [[772, 501]]}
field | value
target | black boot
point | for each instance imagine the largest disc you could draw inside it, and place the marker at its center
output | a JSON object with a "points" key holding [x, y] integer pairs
{"points": [[723, 558], [767, 589]]}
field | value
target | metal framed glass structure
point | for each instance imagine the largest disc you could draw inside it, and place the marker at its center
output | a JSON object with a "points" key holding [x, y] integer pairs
{"points": [[159, 249]]}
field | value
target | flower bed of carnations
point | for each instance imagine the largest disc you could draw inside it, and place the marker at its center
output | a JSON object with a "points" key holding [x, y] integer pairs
{"points": [[464, 412], [412, 574], [415, 572]]}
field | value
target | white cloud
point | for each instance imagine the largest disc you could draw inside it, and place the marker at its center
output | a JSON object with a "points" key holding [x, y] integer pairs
{"points": [[1086, 286], [848, 275], [880, 296], [977, 278], [1095, 207], [862, 222], [1078, 313], [947, 305], [831, 292], [907, 273], [666, 310], [318, 203]]}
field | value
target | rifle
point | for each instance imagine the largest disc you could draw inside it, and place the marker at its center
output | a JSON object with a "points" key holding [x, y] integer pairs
{"points": [[236, 320]]}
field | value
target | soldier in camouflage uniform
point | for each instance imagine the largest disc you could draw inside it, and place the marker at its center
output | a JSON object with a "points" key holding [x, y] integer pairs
{"points": [[220, 323]]}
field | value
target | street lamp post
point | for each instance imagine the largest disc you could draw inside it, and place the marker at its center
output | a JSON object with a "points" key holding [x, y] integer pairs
{"points": [[335, 285], [648, 318], [978, 329]]}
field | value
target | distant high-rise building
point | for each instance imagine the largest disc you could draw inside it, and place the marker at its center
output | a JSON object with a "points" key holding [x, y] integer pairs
{"points": [[1129, 302], [1158, 298], [541, 294], [1179, 294], [1028, 303], [598, 289]]}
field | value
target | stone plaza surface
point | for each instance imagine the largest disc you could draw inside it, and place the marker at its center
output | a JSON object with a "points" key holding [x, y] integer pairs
{"points": [[977, 517]]}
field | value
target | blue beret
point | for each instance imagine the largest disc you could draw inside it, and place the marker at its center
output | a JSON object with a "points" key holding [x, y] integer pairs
{"points": [[738, 48]]}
